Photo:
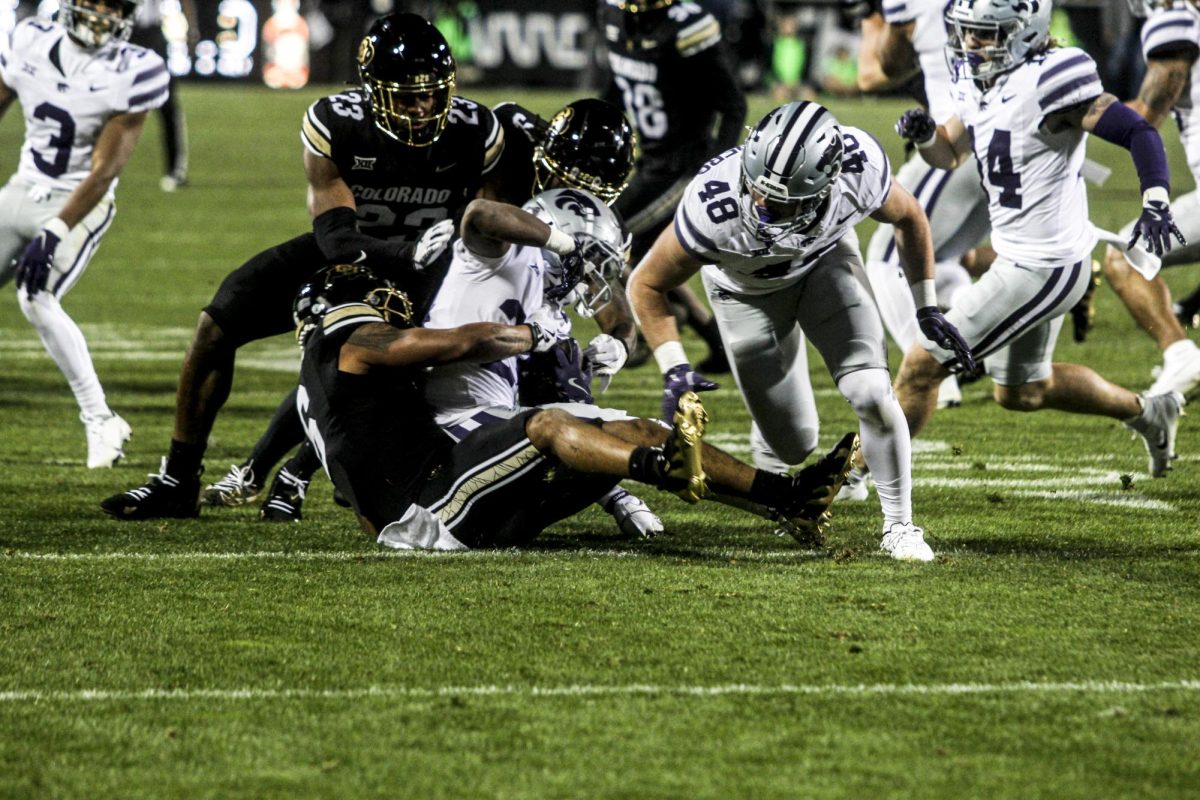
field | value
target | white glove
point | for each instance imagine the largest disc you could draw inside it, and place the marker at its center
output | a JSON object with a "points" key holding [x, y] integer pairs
{"points": [[607, 355], [549, 326], [418, 529], [433, 243]]}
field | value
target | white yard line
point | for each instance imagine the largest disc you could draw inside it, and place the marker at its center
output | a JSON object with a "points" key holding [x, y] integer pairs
{"points": [[627, 690]]}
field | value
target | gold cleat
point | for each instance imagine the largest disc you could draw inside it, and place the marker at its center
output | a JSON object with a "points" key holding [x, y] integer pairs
{"points": [[808, 515], [685, 472]]}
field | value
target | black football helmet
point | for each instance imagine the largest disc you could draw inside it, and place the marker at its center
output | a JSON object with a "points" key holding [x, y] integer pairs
{"points": [[91, 27], [345, 284], [404, 61], [589, 146]]}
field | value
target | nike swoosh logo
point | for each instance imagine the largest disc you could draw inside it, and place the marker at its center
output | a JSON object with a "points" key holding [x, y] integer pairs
{"points": [[445, 167], [843, 219], [1006, 99]]}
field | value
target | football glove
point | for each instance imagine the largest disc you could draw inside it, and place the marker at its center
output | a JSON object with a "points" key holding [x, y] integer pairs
{"points": [[607, 355], [549, 326], [679, 380], [917, 126], [1156, 225], [33, 265], [433, 243], [938, 330]]}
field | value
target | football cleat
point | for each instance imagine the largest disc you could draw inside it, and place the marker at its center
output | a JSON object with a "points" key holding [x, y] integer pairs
{"points": [[816, 486], [1180, 373], [1083, 313], [857, 488], [633, 516], [239, 487], [164, 496], [285, 499], [685, 472], [1187, 311], [904, 541], [106, 437], [949, 394], [1157, 425]]}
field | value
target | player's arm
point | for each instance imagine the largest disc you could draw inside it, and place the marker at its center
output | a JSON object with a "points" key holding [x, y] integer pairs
{"points": [[335, 221], [943, 146], [1163, 85], [7, 95], [665, 267], [382, 345], [615, 318], [886, 58], [113, 148], [489, 228], [914, 244], [710, 68]]}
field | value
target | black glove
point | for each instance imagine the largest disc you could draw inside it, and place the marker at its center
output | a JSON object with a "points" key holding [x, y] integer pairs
{"points": [[938, 330], [1156, 225], [677, 380], [916, 126]]}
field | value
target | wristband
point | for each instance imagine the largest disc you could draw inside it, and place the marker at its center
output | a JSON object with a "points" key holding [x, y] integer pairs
{"points": [[928, 143], [57, 227], [924, 293], [669, 355], [1156, 194], [559, 242]]}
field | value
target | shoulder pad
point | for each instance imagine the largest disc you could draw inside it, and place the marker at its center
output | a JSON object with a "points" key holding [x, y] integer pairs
{"points": [[899, 12], [1169, 32], [1066, 77], [696, 29]]}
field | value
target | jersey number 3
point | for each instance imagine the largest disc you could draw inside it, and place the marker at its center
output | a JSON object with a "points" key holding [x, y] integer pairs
{"points": [[59, 144]]}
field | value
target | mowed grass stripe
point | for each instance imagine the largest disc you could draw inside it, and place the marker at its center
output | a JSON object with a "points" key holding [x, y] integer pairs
{"points": [[587, 691]]}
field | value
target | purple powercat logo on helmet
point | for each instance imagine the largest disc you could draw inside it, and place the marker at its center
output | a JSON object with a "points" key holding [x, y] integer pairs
{"points": [[577, 203]]}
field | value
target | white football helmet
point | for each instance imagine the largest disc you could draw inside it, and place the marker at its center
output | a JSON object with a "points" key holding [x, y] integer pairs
{"points": [[600, 240], [1144, 8], [986, 38], [791, 158], [93, 23]]}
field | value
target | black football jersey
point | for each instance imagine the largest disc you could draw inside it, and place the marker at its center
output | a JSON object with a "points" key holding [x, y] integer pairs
{"points": [[401, 190], [673, 81], [375, 433], [512, 179]]}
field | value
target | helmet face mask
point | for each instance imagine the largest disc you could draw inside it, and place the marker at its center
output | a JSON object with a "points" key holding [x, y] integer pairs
{"points": [[790, 161], [600, 242], [986, 38], [94, 23], [589, 146], [348, 284], [408, 75]]}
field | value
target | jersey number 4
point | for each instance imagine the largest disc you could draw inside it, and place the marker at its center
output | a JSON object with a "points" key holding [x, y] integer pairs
{"points": [[1000, 173]]}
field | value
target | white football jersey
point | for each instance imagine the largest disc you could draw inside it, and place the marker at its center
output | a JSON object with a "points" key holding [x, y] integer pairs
{"points": [[929, 42], [68, 93], [710, 227], [479, 289], [1177, 30], [1036, 196]]}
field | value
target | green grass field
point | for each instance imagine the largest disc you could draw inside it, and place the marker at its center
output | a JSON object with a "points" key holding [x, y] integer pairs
{"points": [[1050, 652]]}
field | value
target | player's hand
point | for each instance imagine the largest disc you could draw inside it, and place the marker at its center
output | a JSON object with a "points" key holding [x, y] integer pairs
{"points": [[917, 126], [1156, 225], [679, 379], [607, 355], [433, 243], [938, 329], [571, 270], [33, 265], [549, 325]]}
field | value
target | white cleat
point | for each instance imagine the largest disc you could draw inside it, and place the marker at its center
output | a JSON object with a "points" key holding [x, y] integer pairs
{"points": [[1157, 426], [1178, 374], [949, 394], [632, 515], [856, 488], [106, 437], [904, 541]]}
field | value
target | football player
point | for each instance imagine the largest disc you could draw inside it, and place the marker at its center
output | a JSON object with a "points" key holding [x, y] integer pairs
{"points": [[413, 487], [770, 228], [85, 92], [588, 145], [1171, 46], [669, 71], [1024, 108], [492, 278], [383, 163]]}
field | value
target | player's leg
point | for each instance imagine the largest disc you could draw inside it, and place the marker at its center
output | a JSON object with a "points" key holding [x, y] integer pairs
{"points": [[253, 302], [64, 341], [770, 367]]}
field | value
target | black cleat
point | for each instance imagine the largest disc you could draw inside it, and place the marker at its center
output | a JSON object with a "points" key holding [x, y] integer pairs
{"points": [[163, 497], [808, 514], [1083, 314], [285, 499]]}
